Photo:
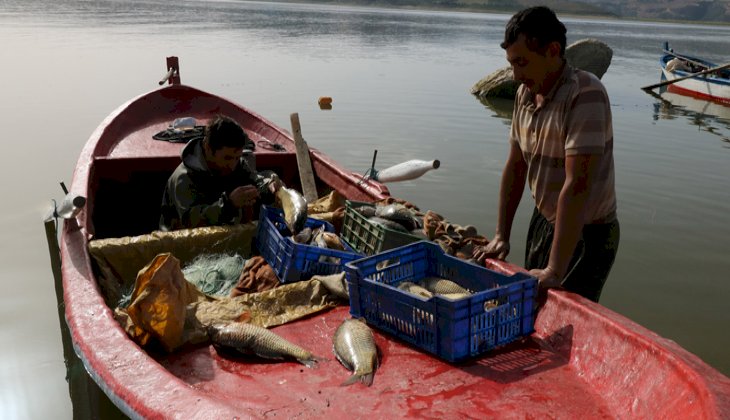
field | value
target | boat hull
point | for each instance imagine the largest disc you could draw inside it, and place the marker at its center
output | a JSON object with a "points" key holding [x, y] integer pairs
{"points": [[583, 361]]}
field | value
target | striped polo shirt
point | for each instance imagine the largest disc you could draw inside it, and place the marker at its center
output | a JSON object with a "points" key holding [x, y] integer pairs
{"points": [[575, 119]]}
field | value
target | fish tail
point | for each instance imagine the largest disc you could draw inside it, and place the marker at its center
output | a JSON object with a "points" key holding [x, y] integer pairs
{"points": [[364, 378], [310, 362]]}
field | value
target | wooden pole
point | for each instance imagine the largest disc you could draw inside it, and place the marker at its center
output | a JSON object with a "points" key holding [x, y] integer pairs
{"points": [[306, 176]]}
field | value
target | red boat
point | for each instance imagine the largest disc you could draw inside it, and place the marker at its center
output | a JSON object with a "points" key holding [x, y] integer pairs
{"points": [[582, 361]]}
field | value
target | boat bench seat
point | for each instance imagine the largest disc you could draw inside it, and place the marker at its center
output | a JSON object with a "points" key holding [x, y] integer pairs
{"points": [[129, 193]]}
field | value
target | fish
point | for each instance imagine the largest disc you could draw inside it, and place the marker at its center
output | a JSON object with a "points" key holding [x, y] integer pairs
{"points": [[400, 214], [354, 346], [490, 304], [365, 211], [442, 286], [295, 208], [415, 289], [388, 224], [328, 240], [454, 296], [249, 338], [304, 236]]}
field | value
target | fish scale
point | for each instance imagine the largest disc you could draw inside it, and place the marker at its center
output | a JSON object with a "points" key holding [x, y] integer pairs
{"points": [[442, 286], [354, 346], [260, 341]]}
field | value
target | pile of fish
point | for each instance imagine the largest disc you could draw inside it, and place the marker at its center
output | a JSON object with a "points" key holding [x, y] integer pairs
{"points": [[393, 216], [319, 237], [294, 206], [431, 286], [353, 344]]}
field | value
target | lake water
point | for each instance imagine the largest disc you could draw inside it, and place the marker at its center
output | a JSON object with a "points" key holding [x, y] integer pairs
{"points": [[400, 84]]}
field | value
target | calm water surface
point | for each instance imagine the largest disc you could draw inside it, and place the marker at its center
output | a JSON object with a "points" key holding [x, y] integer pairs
{"points": [[400, 82]]}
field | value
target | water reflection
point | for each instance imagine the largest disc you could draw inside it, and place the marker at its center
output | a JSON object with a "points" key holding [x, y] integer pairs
{"points": [[710, 117], [501, 107]]}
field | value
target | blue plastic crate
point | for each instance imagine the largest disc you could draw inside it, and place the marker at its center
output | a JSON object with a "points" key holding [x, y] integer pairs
{"points": [[500, 311], [292, 261]]}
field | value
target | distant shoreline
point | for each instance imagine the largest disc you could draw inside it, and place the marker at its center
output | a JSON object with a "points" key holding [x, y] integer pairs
{"points": [[508, 12]]}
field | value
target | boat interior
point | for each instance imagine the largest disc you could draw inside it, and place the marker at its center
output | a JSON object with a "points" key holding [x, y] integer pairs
{"points": [[129, 190]]}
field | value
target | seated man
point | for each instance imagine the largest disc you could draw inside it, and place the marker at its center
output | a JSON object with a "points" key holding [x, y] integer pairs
{"points": [[214, 184]]}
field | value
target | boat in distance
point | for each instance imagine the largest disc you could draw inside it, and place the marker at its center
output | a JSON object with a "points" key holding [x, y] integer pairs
{"points": [[582, 361], [695, 77]]}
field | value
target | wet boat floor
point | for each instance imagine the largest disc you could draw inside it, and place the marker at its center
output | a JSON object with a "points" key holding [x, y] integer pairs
{"points": [[524, 379]]}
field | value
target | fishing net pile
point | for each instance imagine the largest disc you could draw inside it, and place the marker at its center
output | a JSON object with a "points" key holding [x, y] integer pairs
{"points": [[214, 274], [168, 308]]}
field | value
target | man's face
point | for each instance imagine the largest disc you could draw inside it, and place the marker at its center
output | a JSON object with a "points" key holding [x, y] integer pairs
{"points": [[529, 67], [224, 160]]}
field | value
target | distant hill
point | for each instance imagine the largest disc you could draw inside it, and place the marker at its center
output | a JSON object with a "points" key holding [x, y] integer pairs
{"points": [[717, 11], [682, 10]]}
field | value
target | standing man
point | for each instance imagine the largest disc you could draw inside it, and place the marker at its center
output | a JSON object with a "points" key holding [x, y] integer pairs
{"points": [[214, 184], [561, 144]]}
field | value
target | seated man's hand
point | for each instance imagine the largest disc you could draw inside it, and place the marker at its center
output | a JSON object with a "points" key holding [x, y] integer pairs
{"points": [[496, 248], [275, 184], [244, 196]]}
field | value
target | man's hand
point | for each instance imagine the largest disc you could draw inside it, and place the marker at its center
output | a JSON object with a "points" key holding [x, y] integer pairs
{"points": [[497, 247], [547, 278], [275, 184], [244, 196]]}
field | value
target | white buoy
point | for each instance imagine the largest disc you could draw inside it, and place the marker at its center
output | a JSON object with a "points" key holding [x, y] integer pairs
{"points": [[407, 170], [69, 208]]}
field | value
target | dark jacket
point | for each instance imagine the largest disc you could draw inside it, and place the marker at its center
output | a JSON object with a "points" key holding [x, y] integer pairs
{"points": [[195, 196]]}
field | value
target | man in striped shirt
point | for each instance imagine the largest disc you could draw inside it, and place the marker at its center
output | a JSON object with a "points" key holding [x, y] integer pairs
{"points": [[561, 145]]}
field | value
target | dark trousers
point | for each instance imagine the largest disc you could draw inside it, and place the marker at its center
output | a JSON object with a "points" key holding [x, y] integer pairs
{"points": [[592, 259]]}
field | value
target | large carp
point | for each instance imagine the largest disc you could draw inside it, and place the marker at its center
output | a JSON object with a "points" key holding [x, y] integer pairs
{"points": [[249, 338], [295, 208], [354, 346], [442, 286], [415, 289]]}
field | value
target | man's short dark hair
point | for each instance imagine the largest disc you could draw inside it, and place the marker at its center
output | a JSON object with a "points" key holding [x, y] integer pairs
{"points": [[540, 27], [222, 132]]}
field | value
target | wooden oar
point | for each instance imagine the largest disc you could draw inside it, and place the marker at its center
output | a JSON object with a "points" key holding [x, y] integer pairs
{"points": [[689, 76]]}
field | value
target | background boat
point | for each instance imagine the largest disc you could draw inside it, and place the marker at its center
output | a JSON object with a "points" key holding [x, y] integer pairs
{"points": [[713, 86]]}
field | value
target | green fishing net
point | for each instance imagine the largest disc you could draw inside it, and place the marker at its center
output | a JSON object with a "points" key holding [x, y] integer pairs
{"points": [[215, 274]]}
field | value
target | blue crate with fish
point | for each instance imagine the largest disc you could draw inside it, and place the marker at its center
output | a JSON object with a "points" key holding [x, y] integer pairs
{"points": [[369, 237], [294, 261], [470, 309]]}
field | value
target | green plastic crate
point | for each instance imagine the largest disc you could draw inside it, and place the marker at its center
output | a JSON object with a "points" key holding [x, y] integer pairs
{"points": [[370, 238]]}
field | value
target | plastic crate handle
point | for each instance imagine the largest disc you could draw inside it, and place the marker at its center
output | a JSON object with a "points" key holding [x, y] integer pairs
{"points": [[387, 264]]}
